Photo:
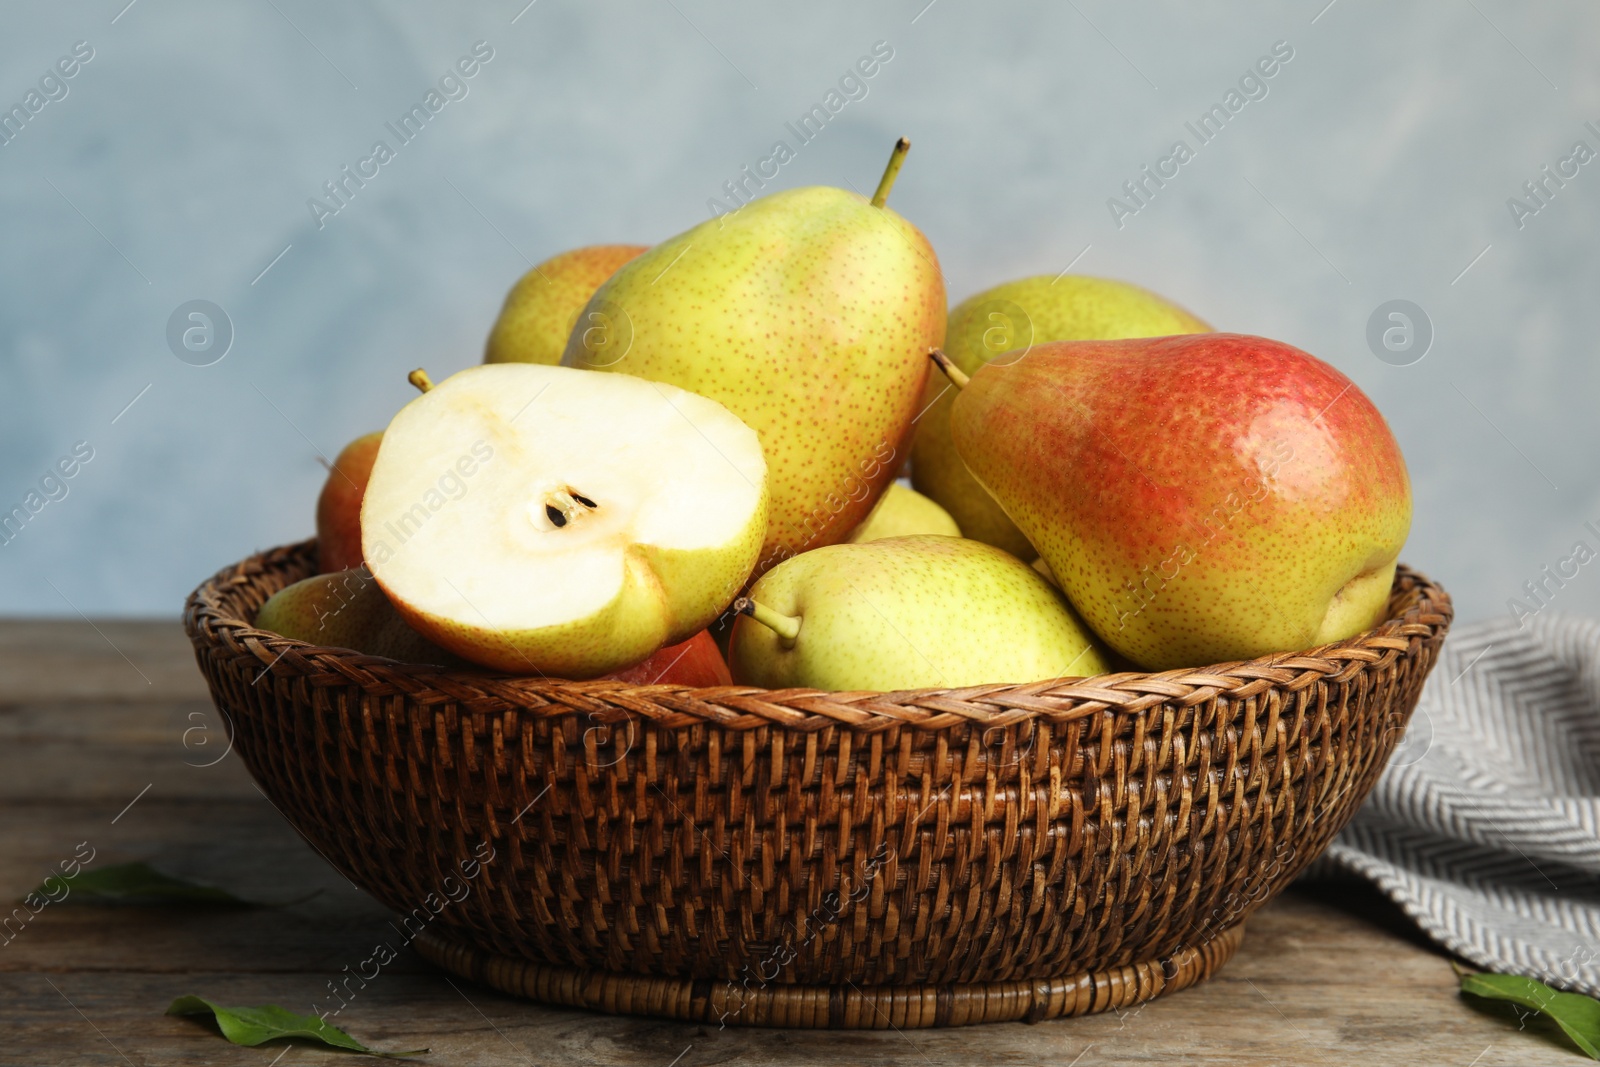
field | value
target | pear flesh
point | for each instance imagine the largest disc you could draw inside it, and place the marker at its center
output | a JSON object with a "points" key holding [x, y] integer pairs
{"points": [[809, 314], [540, 519], [1200, 499], [1005, 321], [908, 613]]}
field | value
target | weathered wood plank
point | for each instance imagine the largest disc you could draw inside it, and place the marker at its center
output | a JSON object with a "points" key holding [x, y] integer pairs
{"points": [[61, 658], [1324, 978], [1312, 985], [110, 750]]}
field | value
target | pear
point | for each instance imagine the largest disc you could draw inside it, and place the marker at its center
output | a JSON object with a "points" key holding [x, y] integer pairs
{"points": [[903, 512], [808, 313], [907, 613], [1010, 318], [541, 309], [347, 609], [339, 505], [1199, 499], [696, 662], [547, 520]]}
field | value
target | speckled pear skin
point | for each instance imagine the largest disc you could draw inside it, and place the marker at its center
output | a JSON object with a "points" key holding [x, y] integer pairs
{"points": [[903, 512], [1200, 499], [809, 314], [911, 613], [1071, 308], [541, 308]]}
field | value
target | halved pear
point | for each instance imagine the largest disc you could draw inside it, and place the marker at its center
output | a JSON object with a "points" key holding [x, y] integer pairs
{"points": [[559, 521]]}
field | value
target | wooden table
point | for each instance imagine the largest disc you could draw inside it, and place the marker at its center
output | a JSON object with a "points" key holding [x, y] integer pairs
{"points": [[107, 736]]}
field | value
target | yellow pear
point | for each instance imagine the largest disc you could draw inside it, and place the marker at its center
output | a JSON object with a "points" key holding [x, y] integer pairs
{"points": [[907, 613], [542, 307], [903, 512], [809, 314]]}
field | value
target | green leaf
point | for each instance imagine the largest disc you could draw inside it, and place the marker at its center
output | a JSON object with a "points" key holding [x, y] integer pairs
{"points": [[1577, 1015], [138, 883], [254, 1026]]}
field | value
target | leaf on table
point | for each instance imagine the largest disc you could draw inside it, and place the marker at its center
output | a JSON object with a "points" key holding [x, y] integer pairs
{"points": [[254, 1026], [138, 883], [1577, 1015]]}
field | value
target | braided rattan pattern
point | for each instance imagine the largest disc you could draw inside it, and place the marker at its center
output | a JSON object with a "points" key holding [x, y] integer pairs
{"points": [[964, 843]]}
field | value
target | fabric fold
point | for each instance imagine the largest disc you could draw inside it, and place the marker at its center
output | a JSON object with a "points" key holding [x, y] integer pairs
{"points": [[1483, 827]]}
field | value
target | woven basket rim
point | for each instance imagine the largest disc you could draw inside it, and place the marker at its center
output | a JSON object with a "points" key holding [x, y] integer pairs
{"points": [[1418, 608]]}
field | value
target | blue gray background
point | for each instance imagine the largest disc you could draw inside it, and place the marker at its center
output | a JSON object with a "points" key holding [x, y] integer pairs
{"points": [[180, 162]]}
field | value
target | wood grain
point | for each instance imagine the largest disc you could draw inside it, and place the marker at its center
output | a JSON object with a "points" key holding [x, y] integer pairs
{"points": [[1327, 977]]}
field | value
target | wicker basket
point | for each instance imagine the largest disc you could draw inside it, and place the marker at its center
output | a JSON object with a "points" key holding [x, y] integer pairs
{"points": [[799, 858]]}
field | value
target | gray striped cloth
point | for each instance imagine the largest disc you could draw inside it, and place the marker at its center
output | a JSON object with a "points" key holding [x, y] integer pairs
{"points": [[1485, 826]]}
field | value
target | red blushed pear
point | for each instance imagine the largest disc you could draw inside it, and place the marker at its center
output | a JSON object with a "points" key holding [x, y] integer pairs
{"points": [[1199, 499], [995, 324], [339, 505], [696, 662], [348, 609]]}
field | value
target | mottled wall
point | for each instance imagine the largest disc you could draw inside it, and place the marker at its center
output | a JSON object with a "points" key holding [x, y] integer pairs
{"points": [[179, 161]]}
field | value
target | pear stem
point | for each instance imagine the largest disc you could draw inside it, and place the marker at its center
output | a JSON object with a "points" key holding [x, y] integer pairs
{"points": [[786, 627], [420, 379], [957, 376], [897, 159]]}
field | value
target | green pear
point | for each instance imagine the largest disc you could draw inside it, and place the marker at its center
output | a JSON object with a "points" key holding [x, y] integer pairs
{"points": [[1010, 318], [347, 609], [1200, 499], [808, 313], [541, 309], [903, 512], [907, 613]]}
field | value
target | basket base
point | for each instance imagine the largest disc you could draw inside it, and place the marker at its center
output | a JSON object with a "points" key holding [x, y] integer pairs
{"points": [[846, 1007]]}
